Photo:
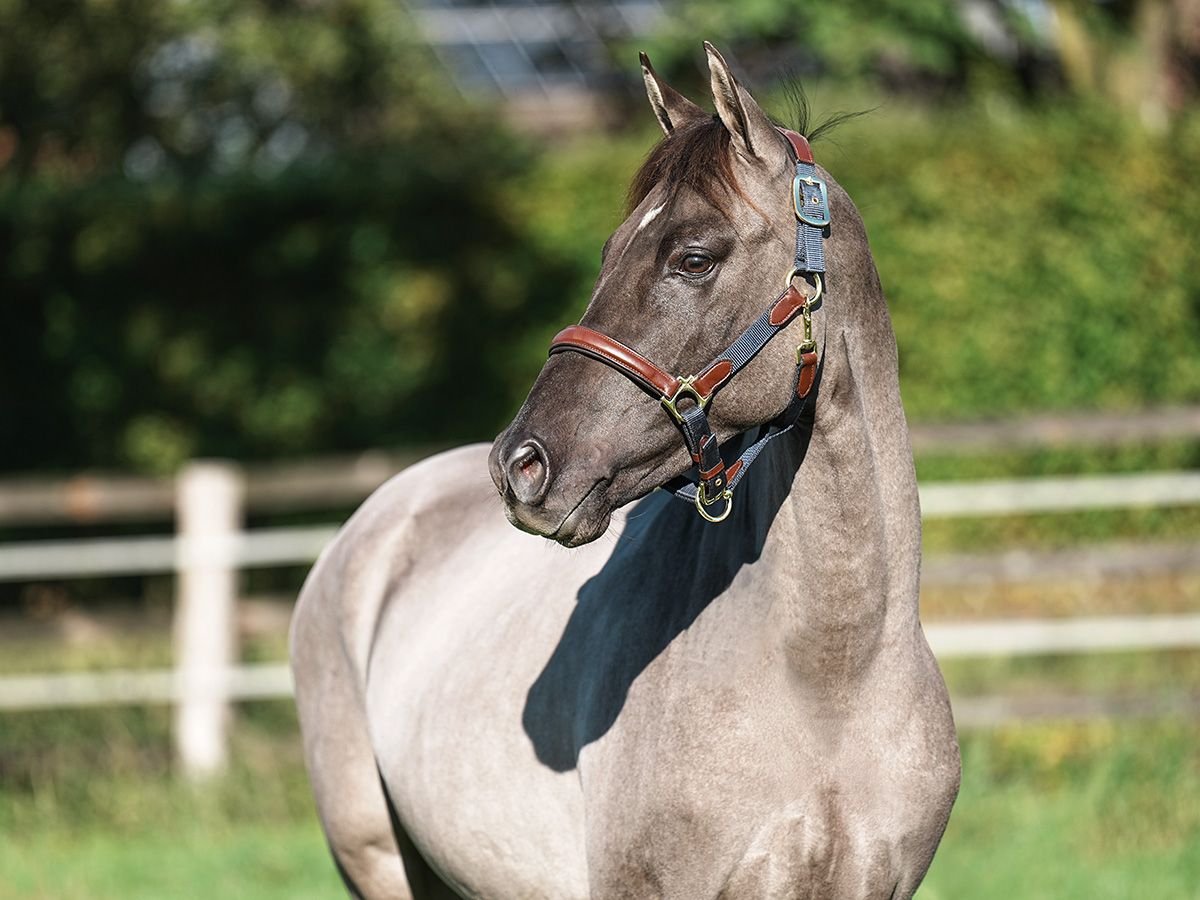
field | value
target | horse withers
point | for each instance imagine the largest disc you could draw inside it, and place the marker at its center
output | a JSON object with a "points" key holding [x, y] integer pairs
{"points": [[674, 708]]}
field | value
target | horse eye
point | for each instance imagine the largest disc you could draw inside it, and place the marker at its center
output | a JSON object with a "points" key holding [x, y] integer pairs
{"points": [[696, 264]]}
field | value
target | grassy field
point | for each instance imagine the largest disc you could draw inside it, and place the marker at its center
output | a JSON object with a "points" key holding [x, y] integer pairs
{"points": [[1107, 810], [1104, 810], [285, 861], [90, 807]]}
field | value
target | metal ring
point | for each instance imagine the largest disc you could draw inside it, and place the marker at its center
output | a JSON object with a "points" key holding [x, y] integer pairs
{"points": [[701, 502], [820, 285]]}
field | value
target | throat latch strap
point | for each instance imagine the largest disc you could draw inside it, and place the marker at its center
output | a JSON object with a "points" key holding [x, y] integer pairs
{"points": [[686, 399]]}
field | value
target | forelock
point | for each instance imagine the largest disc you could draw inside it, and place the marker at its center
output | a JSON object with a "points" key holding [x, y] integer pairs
{"points": [[696, 155]]}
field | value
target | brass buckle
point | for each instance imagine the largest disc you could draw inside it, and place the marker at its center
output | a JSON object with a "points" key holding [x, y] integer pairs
{"points": [[802, 208], [685, 387], [702, 501]]}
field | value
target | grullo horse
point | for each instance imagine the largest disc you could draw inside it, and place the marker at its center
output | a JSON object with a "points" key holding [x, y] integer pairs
{"points": [[685, 709]]}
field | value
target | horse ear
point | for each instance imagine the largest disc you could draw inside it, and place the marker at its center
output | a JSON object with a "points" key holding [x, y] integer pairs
{"points": [[671, 108], [754, 137]]}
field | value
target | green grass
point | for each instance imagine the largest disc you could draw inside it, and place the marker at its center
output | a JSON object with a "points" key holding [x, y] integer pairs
{"points": [[91, 807], [281, 861], [1056, 811], [1061, 812]]}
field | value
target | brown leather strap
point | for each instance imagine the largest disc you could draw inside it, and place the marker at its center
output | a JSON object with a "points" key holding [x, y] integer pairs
{"points": [[808, 373], [787, 306], [799, 145], [713, 377], [616, 354]]}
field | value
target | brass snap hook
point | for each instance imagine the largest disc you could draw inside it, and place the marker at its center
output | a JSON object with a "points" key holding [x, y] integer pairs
{"points": [[808, 345], [702, 501]]}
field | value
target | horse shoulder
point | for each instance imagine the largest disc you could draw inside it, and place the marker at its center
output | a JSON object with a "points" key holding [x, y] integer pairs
{"points": [[405, 526]]}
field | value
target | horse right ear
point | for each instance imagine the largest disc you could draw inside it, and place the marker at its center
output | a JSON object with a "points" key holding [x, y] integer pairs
{"points": [[670, 107]]}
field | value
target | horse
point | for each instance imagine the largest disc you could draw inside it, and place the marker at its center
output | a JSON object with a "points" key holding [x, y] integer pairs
{"points": [[731, 705]]}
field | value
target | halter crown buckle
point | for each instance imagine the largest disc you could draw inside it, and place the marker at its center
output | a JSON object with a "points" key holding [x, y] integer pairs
{"points": [[816, 211]]}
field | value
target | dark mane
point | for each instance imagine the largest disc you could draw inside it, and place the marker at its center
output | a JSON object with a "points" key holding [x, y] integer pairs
{"points": [[696, 153]]}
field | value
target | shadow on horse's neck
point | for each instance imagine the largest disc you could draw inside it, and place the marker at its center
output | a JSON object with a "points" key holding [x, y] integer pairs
{"points": [[666, 568]]}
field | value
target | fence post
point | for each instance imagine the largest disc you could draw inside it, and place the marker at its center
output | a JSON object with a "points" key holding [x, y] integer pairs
{"points": [[209, 498]]}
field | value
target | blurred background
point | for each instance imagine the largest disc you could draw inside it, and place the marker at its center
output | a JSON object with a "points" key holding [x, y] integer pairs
{"points": [[257, 255]]}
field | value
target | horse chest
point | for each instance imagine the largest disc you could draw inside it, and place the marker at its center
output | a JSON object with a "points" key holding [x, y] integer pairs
{"points": [[737, 788], [814, 844]]}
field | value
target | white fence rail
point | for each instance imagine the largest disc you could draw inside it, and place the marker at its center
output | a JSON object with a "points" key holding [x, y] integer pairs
{"points": [[1000, 637], [30, 560], [1030, 637], [210, 547], [27, 560], [1026, 496], [263, 681]]}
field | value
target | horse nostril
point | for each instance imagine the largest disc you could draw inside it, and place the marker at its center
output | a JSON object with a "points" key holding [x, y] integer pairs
{"points": [[528, 472]]}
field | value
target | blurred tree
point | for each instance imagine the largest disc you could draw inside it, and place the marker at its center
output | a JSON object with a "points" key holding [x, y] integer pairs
{"points": [[248, 227], [903, 41], [1141, 54], [207, 85], [265, 228]]}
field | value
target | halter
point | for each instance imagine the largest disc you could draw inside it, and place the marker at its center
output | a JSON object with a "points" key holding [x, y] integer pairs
{"points": [[711, 483]]}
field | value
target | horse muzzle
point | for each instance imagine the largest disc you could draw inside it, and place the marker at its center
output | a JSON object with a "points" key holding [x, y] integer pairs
{"points": [[542, 499]]}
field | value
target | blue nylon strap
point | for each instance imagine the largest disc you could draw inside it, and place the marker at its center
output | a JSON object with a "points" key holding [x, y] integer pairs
{"points": [[747, 346], [791, 417], [694, 427], [812, 197]]}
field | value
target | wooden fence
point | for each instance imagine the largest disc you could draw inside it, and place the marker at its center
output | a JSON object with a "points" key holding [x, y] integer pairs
{"points": [[210, 500]]}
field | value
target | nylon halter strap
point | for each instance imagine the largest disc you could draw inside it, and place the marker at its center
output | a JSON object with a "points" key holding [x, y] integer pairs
{"points": [[710, 484]]}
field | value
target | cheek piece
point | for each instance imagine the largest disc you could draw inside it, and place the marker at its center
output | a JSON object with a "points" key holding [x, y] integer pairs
{"points": [[710, 482]]}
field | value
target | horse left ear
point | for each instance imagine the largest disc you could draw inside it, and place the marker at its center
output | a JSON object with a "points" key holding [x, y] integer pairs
{"points": [[754, 136], [670, 107]]}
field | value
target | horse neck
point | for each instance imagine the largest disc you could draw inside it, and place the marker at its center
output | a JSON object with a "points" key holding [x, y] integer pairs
{"points": [[848, 535]]}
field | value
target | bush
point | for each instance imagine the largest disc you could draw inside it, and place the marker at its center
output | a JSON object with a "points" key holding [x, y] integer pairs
{"points": [[1033, 260], [368, 302]]}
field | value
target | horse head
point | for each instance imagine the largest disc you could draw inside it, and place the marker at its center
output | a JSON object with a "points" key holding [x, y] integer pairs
{"points": [[706, 247]]}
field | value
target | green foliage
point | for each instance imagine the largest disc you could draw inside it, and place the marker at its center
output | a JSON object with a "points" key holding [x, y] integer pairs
{"points": [[851, 40], [328, 308], [88, 86], [261, 229], [247, 229], [1032, 261]]}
